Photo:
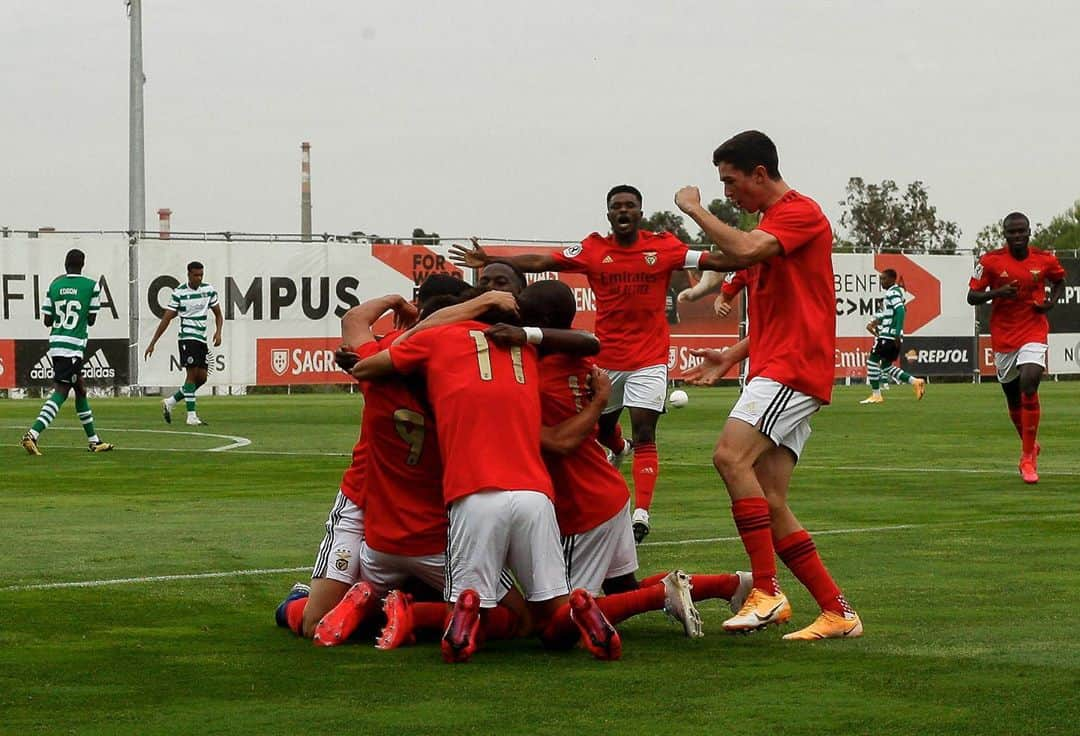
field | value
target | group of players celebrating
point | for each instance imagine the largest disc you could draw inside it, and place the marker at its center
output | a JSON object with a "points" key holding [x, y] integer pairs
{"points": [[481, 502]]}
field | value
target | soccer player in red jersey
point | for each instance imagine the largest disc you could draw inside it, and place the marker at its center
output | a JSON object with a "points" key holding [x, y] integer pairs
{"points": [[1014, 280], [792, 338], [629, 272]]}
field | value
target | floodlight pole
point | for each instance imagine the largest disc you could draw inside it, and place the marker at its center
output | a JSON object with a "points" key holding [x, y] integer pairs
{"points": [[136, 186]]}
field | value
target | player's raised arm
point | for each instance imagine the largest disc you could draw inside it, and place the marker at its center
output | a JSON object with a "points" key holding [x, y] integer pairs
{"points": [[377, 366], [489, 301], [356, 323], [737, 249], [477, 257], [710, 281]]}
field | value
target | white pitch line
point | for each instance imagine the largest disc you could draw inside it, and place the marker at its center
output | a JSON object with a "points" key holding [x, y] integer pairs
{"points": [[680, 542], [896, 468], [237, 441]]}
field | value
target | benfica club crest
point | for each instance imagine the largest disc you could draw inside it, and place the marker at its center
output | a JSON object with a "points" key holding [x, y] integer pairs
{"points": [[279, 360], [650, 257]]}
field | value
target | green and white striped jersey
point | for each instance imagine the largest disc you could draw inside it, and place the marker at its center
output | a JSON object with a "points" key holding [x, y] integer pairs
{"points": [[70, 300], [193, 306], [890, 319]]}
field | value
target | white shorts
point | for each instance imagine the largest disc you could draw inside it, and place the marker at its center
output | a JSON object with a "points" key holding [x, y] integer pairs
{"points": [[644, 388], [386, 572], [515, 529], [780, 413], [1008, 364], [605, 551], [339, 553]]}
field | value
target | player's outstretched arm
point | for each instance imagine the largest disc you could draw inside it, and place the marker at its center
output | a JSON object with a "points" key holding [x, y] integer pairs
{"points": [[710, 281], [716, 363], [166, 318], [737, 248], [565, 437], [547, 339], [477, 257]]}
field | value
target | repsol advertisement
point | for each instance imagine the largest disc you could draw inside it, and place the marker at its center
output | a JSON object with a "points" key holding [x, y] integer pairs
{"points": [[105, 363], [939, 356]]}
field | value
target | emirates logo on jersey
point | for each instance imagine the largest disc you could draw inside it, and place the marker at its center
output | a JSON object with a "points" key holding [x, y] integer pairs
{"points": [[650, 257], [279, 361]]}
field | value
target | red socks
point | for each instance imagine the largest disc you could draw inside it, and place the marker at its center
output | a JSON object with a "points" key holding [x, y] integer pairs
{"points": [[294, 615], [646, 469], [713, 586], [799, 553], [430, 616], [1014, 415], [622, 606], [498, 623], [752, 521], [1029, 421], [560, 631]]}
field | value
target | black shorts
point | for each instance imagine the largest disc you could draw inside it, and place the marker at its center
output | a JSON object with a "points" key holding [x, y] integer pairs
{"points": [[67, 369], [193, 354], [886, 350]]}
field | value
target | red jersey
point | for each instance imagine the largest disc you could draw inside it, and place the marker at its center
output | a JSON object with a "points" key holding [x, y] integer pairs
{"points": [[354, 481], [404, 512], [486, 400], [733, 283], [791, 301], [588, 491], [630, 284], [1014, 321]]}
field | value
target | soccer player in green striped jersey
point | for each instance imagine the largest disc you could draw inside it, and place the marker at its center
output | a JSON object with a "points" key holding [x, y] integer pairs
{"points": [[193, 302], [70, 308], [888, 327]]}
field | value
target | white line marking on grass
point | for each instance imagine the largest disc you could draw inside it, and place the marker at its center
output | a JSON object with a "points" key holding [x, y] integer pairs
{"points": [[892, 468], [236, 440], [678, 542]]}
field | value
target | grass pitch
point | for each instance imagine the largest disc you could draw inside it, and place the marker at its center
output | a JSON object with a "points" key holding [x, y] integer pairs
{"points": [[966, 580]]}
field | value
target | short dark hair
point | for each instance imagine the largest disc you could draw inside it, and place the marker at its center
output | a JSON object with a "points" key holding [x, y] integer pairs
{"points": [[74, 260], [748, 150], [194, 266], [547, 303], [439, 284], [622, 189], [518, 273], [890, 272], [1015, 216]]}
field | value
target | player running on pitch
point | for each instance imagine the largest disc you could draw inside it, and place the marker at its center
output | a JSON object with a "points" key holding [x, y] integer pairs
{"points": [[1014, 280], [887, 327], [629, 271], [193, 301], [70, 308]]}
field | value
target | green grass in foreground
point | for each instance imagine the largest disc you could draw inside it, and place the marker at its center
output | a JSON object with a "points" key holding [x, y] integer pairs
{"points": [[966, 579]]}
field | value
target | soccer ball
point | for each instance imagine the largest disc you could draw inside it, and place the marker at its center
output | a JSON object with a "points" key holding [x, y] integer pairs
{"points": [[679, 399]]}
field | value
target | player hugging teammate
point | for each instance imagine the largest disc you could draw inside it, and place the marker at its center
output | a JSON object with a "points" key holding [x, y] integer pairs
{"points": [[520, 542]]}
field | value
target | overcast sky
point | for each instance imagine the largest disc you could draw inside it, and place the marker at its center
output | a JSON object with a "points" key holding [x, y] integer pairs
{"points": [[514, 118]]}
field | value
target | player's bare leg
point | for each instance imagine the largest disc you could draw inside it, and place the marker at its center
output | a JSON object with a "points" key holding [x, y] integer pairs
{"points": [[646, 467], [325, 594], [796, 548], [737, 451], [610, 436]]}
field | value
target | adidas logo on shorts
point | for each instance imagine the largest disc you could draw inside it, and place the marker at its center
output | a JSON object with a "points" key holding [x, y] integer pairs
{"points": [[95, 367]]}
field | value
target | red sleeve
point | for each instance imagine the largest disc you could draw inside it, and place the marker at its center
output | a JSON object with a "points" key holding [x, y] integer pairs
{"points": [[413, 353], [981, 278], [674, 252], [1055, 272], [795, 225], [574, 258], [734, 282]]}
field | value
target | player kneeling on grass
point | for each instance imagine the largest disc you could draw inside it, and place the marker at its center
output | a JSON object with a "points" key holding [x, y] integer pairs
{"points": [[500, 502], [70, 308]]}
